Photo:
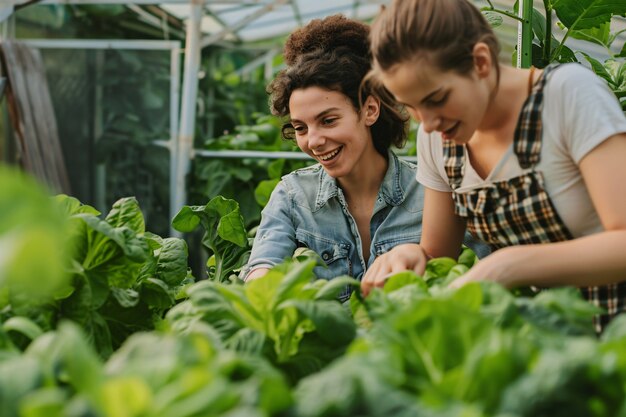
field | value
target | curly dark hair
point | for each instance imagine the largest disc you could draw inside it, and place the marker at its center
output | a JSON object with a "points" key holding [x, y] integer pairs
{"points": [[333, 53]]}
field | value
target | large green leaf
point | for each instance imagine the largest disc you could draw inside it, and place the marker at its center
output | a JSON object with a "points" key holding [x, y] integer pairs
{"points": [[126, 212], [585, 14], [332, 322], [232, 229], [23, 326], [598, 35], [18, 377], [71, 205], [33, 230], [186, 220], [171, 265]]}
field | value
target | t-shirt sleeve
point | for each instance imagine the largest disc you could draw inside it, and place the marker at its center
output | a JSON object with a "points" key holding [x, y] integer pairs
{"points": [[588, 111], [430, 162]]}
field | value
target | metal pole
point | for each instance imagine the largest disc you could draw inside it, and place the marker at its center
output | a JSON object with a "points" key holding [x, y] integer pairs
{"points": [[188, 105], [173, 143], [525, 34]]}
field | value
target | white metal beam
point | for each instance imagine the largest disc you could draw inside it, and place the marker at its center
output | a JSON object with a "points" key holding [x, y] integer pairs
{"points": [[101, 44], [211, 39], [188, 105], [127, 2]]}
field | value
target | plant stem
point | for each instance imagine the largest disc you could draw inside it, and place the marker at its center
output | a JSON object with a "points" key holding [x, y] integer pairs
{"points": [[547, 43], [504, 12]]}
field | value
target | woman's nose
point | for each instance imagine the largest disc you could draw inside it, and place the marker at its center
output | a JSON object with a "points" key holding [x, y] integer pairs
{"points": [[430, 121], [315, 138]]}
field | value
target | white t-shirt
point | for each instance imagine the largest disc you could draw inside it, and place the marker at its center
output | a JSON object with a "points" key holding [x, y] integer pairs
{"points": [[579, 113]]}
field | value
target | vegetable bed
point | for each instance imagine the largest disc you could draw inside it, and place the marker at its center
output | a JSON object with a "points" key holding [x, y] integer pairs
{"points": [[99, 317]]}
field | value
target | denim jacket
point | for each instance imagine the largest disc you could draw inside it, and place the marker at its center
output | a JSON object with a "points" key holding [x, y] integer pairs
{"points": [[308, 209]]}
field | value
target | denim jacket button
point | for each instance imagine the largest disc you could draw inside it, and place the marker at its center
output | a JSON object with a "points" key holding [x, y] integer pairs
{"points": [[325, 256]]}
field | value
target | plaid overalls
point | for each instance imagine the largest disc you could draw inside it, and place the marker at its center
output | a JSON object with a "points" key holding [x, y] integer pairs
{"points": [[518, 211]]}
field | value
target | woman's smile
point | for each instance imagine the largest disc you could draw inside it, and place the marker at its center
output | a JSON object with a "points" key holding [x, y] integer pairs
{"points": [[329, 156]]}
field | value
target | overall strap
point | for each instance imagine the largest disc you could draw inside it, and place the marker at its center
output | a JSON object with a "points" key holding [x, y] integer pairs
{"points": [[527, 140], [454, 158]]}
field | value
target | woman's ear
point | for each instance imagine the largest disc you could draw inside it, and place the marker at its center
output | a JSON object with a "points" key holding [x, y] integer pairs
{"points": [[483, 62], [371, 110]]}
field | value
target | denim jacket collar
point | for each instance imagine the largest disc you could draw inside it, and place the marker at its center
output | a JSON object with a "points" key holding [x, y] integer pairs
{"points": [[391, 189]]}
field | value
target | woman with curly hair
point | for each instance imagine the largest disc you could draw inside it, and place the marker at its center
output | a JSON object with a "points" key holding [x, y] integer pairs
{"points": [[360, 200]]}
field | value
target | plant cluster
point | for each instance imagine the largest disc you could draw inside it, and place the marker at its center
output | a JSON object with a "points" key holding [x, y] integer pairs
{"points": [[101, 318], [587, 20]]}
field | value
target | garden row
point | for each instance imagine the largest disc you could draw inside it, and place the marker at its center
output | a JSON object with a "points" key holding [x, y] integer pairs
{"points": [[99, 317]]}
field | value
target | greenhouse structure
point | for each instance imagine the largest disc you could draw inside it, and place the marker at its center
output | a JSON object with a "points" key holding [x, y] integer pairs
{"points": [[137, 154]]}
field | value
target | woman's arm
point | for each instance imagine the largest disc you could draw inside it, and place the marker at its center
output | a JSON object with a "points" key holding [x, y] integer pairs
{"points": [[442, 234], [275, 238], [587, 261]]}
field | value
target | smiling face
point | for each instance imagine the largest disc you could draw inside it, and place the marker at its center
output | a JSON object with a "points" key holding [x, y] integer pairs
{"points": [[328, 128], [442, 101]]}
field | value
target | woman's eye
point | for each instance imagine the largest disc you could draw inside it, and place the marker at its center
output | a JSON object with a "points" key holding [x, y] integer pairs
{"points": [[328, 120], [299, 129], [440, 101]]}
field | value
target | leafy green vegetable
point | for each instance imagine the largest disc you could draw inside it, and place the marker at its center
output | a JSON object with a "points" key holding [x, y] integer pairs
{"points": [[225, 235]]}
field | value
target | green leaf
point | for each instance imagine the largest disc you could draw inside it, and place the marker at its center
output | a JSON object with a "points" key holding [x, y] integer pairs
{"points": [[23, 326], [247, 341], [599, 69], [332, 322], [126, 297], [107, 242], [186, 220], [438, 268], [469, 296], [334, 287], [403, 279], [126, 213], [598, 35], [248, 314], [171, 265], [46, 402], [18, 377], [539, 25], [467, 257], [232, 229], [71, 205], [242, 174], [275, 168], [33, 232], [264, 190], [494, 19], [296, 277], [266, 131], [262, 292], [585, 14], [126, 396], [83, 367], [156, 293]]}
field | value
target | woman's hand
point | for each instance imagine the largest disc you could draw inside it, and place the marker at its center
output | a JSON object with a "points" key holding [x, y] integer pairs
{"points": [[408, 256], [256, 274], [502, 266]]}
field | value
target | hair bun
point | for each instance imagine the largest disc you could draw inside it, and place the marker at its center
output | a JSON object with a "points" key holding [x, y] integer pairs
{"points": [[328, 34]]}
